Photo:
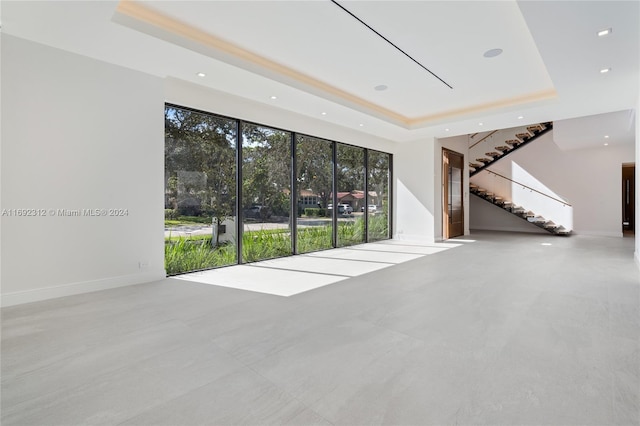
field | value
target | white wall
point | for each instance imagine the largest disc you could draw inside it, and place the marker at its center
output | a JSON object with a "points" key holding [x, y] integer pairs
{"points": [[418, 171], [78, 134], [413, 192], [83, 134], [589, 179], [486, 216]]}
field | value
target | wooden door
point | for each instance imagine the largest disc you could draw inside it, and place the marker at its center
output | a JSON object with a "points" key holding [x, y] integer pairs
{"points": [[453, 209], [628, 197]]}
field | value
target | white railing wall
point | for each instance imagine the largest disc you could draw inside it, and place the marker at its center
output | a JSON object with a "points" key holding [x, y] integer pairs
{"points": [[528, 193]]}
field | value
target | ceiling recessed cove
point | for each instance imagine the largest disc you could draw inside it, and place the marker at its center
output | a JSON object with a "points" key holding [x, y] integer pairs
{"points": [[492, 53]]}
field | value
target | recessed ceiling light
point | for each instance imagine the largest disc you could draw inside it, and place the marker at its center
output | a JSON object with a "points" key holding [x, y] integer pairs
{"points": [[446, 130], [274, 97], [361, 125], [201, 74], [381, 87], [606, 144], [605, 70], [323, 113], [606, 136], [480, 124], [492, 53], [520, 117], [603, 33]]}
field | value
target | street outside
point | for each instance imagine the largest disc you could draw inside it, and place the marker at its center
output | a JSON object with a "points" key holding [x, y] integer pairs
{"points": [[202, 229]]}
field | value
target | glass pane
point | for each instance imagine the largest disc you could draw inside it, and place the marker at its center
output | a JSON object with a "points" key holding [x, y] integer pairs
{"points": [[456, 195], [200, 191], [350, 209], [378, 207], [266, 192], [315, 180]]}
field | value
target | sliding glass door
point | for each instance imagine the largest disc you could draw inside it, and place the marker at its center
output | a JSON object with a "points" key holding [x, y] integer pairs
{"points": [[238, 192], [266, 193], [378, 195], [350, 174], [200, 191], [314, 182]]}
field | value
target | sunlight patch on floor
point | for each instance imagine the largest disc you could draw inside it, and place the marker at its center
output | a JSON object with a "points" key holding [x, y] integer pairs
{"points": [[288, 276]]}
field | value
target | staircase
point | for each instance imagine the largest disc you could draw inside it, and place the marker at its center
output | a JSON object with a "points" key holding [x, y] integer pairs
{"points": [[518, 211], [496, 150], [506, 147]]}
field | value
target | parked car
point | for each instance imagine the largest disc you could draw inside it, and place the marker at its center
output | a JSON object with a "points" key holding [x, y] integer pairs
{"points": [[346, 209], [257, 212], [372, 208], [343, 209]]}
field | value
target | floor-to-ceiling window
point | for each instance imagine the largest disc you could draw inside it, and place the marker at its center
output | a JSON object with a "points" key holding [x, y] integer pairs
{"points": [[379, 175], [350, 175], [238, 192], [200, 190], [314, 183], [266, 193]]}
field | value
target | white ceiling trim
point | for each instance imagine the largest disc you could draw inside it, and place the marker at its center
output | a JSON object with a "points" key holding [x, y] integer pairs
{"points": [[151, 22]]}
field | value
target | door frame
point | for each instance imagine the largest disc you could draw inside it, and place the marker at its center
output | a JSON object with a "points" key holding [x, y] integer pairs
{"points": [[630, 228], [445, 191]]}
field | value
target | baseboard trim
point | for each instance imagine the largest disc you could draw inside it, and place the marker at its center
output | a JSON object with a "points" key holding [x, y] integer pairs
{"points": [[598, 233], [39, 294], [524, 229]]}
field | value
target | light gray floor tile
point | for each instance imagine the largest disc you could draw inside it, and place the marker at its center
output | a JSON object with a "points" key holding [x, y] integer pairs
{"points": [[241, 398], [78, 396], [502, 330]]}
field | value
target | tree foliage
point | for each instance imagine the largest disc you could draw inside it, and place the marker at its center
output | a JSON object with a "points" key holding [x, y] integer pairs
{"points": [[315, 167], [266, 168], [200, 171]]}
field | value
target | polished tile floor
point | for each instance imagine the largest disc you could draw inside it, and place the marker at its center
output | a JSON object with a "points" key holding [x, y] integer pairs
{"points": [[289, 276], [508, 329]]}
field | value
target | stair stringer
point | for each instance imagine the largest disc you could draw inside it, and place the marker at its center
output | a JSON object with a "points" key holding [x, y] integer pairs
{"points": [[503, 154]]}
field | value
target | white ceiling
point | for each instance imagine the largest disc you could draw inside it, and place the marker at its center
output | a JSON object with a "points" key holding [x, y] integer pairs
{"points": [[612, 128], [317, 58]]}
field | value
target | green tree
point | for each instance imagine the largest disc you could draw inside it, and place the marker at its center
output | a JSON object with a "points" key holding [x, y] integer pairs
{"points": [[266, 168], [200, 171], [350, 168], [315, 174]]}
